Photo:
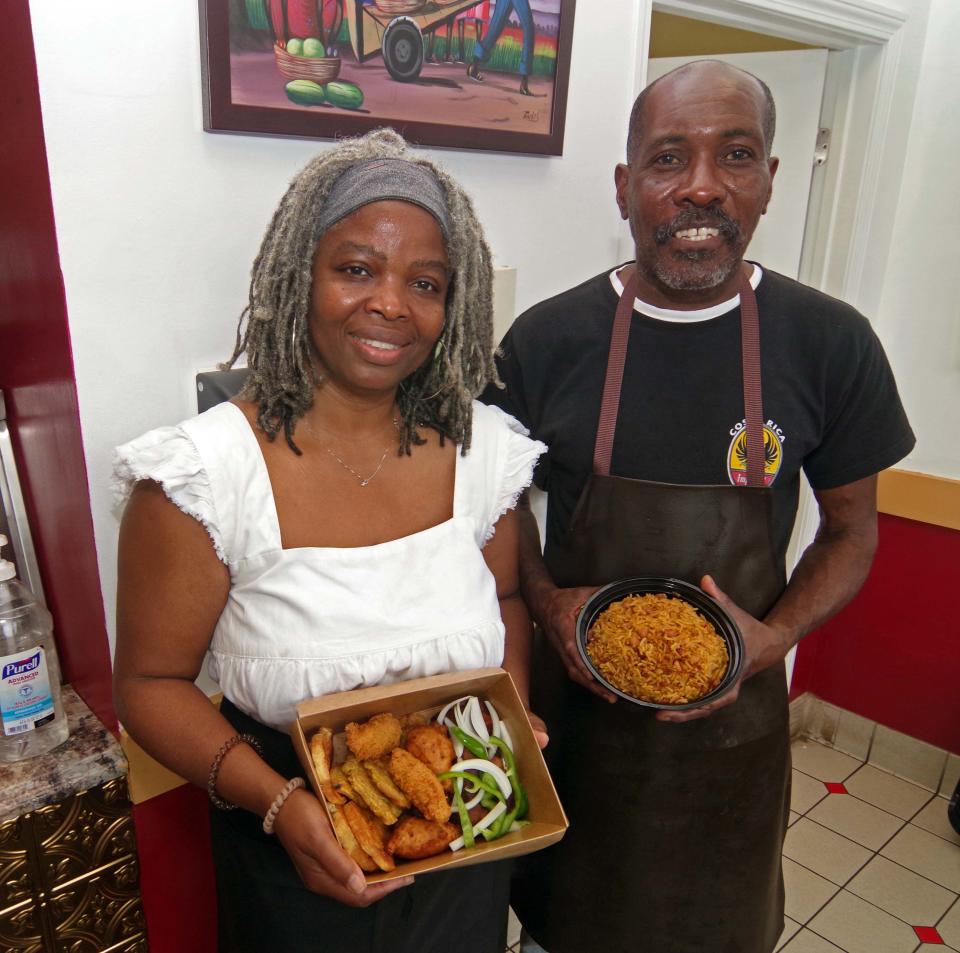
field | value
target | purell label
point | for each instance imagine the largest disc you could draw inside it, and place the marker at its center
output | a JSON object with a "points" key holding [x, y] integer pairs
{"points": [[25, 698]]}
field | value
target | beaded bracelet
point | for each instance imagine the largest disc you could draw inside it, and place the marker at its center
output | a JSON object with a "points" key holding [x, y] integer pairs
{"points": [[225, 749], [279, 801]]}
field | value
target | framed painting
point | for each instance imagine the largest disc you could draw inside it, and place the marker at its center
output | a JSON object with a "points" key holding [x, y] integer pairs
{"points": [[458, 73]]}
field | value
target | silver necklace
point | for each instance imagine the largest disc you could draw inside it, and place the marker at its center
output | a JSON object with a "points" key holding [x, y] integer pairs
{"points": [[361, 479]]}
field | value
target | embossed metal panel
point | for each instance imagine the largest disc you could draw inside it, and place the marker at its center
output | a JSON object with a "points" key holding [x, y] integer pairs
{"points": [[69, 877]]}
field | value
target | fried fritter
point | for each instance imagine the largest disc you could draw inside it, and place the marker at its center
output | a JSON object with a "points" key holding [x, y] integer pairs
{"points": [[368, 793], [349, 843], [419, 784], [414, 838], [373, 738], [321, 753], [370, 835], [432, 745], [380, 776]]}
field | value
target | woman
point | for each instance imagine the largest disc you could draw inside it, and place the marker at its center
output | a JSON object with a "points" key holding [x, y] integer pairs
{"points": [[348, 521]]}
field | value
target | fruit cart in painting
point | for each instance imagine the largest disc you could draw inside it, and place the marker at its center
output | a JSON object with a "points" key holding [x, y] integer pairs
{"points": [[396, 28]]}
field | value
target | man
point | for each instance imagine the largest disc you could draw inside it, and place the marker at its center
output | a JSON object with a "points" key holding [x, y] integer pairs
{"points": [[689, 467]]}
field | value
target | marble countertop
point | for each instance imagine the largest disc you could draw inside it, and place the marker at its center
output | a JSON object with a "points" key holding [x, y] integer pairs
{"points": [[89, 757]]}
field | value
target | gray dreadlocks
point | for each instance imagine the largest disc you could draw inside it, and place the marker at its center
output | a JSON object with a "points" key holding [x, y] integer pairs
{"points": [[273, 328]]}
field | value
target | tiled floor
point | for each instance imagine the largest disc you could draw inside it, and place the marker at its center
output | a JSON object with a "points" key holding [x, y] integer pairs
{"points": [[871, 863]]}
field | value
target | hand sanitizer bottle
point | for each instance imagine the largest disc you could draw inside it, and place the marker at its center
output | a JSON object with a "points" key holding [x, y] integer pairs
{"points": [[33, 720]]}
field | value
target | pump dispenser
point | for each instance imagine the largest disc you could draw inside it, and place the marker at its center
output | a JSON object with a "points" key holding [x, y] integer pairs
{"points": [[31, 712]]}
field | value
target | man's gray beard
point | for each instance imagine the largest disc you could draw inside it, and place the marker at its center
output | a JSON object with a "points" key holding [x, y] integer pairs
{"points": [[683, 278]]}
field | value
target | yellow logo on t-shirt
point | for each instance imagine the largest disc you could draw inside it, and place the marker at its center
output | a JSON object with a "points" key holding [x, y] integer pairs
{"points": [[773, 438]]}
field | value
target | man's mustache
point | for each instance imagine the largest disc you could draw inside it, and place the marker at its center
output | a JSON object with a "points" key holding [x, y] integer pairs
{"points": [[717, 218]]}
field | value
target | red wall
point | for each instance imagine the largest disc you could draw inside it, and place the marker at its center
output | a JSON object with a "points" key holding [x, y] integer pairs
{"points": [[36, 375], [893, 655], [176, 871]]}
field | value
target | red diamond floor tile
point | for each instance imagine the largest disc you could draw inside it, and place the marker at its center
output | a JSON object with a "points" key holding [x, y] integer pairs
{"points": [[835, 787], [928, 934]]}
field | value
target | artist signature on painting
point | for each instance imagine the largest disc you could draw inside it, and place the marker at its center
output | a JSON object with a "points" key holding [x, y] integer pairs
{"points": [[531, 115]]}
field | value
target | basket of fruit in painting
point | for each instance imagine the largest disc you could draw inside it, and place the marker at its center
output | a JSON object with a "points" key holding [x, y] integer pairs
{"points": [[306, 59], [397, 7]]}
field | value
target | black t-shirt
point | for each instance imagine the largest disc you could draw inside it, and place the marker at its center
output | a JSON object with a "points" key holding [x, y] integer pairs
{"points": [[830, 403]]}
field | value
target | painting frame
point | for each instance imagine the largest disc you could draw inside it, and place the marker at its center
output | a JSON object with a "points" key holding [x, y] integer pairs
{"points": [[221, 114]]}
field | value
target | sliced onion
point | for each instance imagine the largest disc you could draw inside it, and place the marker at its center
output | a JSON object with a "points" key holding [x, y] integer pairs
{"points": [[443, 711], [478, 764], [495, 722], [483, 823], [475, 800], [505, 737], [476, 717]]}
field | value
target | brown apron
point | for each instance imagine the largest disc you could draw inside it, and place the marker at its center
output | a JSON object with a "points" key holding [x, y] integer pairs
{"points": [[675, 829]]}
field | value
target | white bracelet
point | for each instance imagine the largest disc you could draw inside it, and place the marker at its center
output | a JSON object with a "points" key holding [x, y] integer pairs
{"points": [[278, 802]]}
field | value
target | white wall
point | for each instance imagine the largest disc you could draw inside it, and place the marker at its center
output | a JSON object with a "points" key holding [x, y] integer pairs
{"points": [[158, 221], [919, 314]]}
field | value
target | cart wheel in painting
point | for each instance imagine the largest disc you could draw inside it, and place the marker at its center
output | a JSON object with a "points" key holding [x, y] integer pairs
{"points": [[403, 49]]}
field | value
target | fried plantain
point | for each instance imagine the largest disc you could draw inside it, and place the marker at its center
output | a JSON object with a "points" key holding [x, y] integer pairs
{"points": [[414, 838], [373, 738], [367, 792], [369, 833], [380, 776], [321, 753], [350, 844], [419, 784]]}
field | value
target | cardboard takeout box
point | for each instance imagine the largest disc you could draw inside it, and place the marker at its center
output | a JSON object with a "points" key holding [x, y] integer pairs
{"points": [[547, 824]]}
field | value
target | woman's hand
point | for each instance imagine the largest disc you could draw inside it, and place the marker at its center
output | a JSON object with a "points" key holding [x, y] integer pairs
{"points": [[539, 727], [324, 867], [557, 613]]}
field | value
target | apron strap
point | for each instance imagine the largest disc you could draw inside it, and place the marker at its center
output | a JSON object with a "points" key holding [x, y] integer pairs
{"points": [[752, 400], [610, 405], [750, 356]]}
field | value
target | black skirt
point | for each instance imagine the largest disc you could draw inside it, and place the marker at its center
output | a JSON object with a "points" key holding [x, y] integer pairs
{"points": [[263, 906]]}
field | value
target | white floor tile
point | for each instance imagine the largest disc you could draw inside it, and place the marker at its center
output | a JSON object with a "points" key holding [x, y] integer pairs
{"points": [[806, 892], [819, 761], [859, 927], [806, 942], [900, 891], [883, 790], [856, 819], [824, 851], [926, 854], [934, 818]]}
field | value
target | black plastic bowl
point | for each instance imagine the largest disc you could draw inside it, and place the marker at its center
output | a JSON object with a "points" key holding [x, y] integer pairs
{"points": [[645, 585]]}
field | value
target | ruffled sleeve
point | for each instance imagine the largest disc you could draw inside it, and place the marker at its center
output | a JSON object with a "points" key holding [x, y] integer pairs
{"points": [[168, 457], [504, 465]]}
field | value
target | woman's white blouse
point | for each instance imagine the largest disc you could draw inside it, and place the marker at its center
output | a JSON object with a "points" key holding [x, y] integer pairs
{"points": [[305, 622]]}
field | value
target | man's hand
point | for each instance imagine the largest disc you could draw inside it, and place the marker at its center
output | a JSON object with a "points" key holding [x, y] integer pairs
{"points": [[763, 645], [558, 613]]}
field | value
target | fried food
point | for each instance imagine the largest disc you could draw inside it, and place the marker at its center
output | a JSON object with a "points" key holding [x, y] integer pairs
{"points": [[370, 835], [368, 793], [339, 781], [375, 737], [321, 752], [419, 784], [414, 838], [380, 776], [350, 844], [432, 745]]}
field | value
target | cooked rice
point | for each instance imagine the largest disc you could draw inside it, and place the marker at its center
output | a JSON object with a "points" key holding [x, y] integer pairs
{"points": [[657, 648]]}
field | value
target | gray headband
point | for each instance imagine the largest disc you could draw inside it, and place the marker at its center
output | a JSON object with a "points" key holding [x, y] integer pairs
{"points": [[380, 180]]}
